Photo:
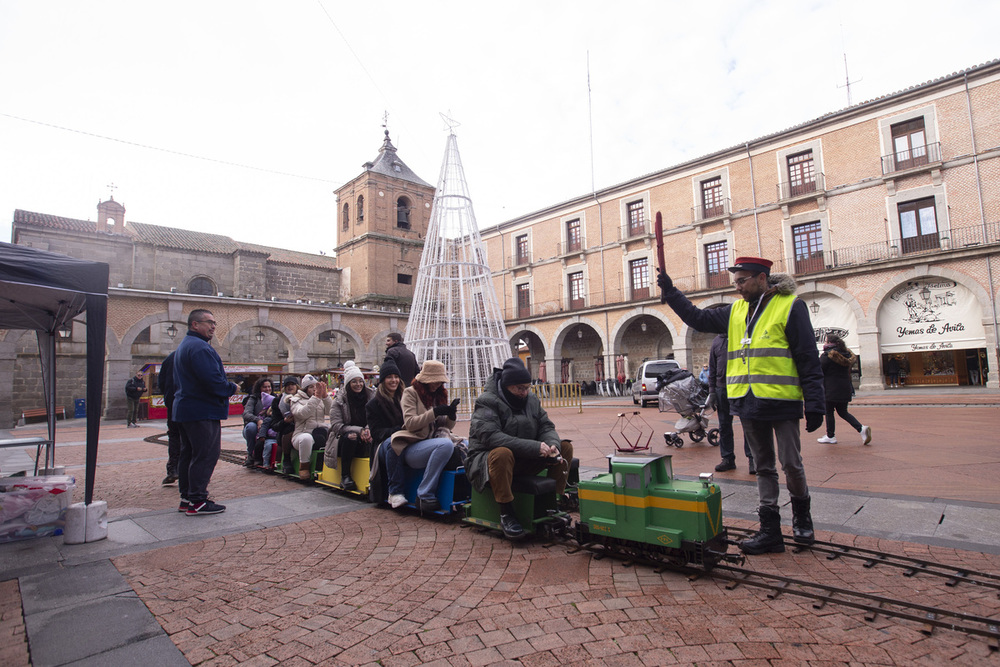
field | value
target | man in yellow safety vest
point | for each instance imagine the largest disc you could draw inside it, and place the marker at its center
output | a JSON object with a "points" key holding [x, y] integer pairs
{"points": [[772, 375]]}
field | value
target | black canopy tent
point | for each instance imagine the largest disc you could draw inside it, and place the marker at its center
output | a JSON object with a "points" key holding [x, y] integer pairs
{"points": [[44, 291]]}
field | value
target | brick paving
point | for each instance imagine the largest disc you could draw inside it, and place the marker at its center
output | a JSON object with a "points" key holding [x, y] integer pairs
{"points": [[374, 586], [378, 587]]}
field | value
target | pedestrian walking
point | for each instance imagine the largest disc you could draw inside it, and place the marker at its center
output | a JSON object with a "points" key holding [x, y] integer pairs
{"points": [[134, 389], [836, 362]]}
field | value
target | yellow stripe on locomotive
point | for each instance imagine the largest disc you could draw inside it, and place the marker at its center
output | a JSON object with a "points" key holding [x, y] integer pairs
{"points": [[639, 500]]}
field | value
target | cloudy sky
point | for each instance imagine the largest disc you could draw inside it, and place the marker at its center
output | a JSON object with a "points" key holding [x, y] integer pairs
{"points": [[240, 117]]}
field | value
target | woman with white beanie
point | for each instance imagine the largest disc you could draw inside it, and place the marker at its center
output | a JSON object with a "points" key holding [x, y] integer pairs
{"points": [[309, 408], [350, 437]]}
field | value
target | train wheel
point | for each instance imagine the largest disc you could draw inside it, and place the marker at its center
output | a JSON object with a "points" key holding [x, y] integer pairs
{"points": [[713, 437], [697, 436]]}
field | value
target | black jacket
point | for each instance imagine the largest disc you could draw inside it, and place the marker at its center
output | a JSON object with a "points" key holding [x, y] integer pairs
{"points": [[717, 362], [837, 375], [801, 343], [404, 360], [134, 388], [381, 421]]}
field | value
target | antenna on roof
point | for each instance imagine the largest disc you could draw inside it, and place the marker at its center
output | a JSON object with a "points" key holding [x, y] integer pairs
{"points": [[847, 76]]}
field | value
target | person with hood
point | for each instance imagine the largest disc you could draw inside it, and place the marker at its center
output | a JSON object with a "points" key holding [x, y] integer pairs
{"points": [[406, 362], [836, 362], [309, 409], [511, 434], [772, 376], [385, 417], [253, 415], [425, 440], [350, 437]]}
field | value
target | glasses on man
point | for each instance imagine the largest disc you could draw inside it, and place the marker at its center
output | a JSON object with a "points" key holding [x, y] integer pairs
{"points": [[739, 282]]}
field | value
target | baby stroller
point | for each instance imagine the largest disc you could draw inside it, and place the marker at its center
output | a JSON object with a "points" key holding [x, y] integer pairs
{"points": [[683, 393]]}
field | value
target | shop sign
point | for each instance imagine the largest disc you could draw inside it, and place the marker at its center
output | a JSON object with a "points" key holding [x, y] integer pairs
{"points": [[832, 315], [930, 314]]}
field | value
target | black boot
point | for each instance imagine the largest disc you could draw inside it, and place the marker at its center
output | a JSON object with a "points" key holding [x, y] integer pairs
{"points": [[345, 477], [802, 523], [769, 539], [753, 468]]}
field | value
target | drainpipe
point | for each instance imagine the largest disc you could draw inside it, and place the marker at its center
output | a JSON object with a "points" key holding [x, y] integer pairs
{"points": [[753, 194], [982, 218]]}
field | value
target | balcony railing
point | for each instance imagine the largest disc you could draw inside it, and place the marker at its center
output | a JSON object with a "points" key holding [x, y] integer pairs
{"points": [[790, 191], [954, 239], [633, 232], [702, 212], [521, 258], [917, 156], [568, 247]]}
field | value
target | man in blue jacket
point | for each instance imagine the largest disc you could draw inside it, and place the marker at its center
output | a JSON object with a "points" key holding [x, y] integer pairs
{"points": [[201, 402], [772, 372]]}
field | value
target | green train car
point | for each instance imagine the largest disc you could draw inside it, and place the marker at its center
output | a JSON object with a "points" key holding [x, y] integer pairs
{"points": [[638, 508]]}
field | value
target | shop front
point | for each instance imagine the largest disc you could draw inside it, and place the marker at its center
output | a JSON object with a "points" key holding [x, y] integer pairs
{"points": [[245, 375], [931, 331]]}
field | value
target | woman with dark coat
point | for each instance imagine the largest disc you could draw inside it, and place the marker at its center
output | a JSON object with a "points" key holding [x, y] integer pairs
{"points": [[253, 415], [385, 417], [836, 362]]}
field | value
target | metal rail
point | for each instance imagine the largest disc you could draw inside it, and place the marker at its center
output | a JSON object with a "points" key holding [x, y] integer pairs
{"points": [[910, 566]]}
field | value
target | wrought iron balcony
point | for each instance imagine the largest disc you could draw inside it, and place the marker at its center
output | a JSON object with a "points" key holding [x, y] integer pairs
{"points": [[915, 157], [804, 190], [704, 213]]}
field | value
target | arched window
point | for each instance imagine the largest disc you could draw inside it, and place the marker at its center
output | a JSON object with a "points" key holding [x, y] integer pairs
{"points": [[347, 218], [361, 209], [403, 213], [201, 285]]}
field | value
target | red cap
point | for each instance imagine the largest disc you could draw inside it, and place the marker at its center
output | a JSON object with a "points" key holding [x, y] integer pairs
{"points": [[755, 264]]}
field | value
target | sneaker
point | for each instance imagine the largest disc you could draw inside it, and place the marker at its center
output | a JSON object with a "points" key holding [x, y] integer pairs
{"points": [[168, 480], [511, 528], [827, 439], [866, 435], [397, 500], [725, 465], [205, 507], [184, 506]]}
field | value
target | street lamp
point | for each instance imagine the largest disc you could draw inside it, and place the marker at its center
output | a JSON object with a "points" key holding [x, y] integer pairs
{"points": [[64, 332], [814, 307], [259, 336], [643, 327], [579, 334], [172, 330]]}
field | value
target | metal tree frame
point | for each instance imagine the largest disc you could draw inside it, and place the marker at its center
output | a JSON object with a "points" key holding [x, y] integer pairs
{"points": [[456, 316]]}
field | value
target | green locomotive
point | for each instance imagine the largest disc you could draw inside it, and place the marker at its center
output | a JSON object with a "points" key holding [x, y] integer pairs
{"points": [[638, 508]]}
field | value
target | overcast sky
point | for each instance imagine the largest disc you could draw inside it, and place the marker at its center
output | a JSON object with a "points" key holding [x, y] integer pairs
{"points": [[241, 117]]}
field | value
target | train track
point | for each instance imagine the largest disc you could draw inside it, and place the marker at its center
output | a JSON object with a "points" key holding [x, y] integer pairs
{"points": [[870, 558], [873, 605]]}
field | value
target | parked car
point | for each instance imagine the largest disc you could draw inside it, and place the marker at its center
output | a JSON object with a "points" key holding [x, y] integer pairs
{"points": [[644, 387]]}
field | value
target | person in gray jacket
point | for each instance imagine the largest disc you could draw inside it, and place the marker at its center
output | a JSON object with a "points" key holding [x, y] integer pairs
{"points": [[511, 434]]}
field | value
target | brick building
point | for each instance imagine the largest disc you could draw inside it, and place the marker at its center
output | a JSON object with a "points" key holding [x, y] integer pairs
{"points": [[278, 310], [887, 213]]}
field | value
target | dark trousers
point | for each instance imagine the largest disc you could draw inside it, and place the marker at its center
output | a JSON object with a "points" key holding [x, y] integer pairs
{"points": [[727, 442], [841, 409], [133, 410], [173, 442], [201, 443]]}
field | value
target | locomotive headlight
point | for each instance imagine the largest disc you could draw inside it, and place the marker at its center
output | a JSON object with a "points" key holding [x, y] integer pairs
{"points": [[706, 478]]}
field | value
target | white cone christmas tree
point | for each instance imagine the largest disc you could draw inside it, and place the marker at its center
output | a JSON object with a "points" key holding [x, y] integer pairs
{"points": [[456, 317]]}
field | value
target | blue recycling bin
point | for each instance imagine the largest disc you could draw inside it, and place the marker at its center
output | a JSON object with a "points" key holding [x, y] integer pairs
{"points": [[79, 408]]}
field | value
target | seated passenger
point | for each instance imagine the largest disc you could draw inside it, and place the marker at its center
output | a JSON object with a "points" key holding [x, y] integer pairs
{"points": [[309, 409], [426, 440], [349, 437], [253, 413], [385, 417], [283, 422], [511, 434]]}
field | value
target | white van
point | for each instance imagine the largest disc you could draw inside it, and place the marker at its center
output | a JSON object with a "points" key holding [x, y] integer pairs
{"points": [[644, 387]]}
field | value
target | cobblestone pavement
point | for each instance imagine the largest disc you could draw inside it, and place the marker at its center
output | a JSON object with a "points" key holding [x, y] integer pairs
{"points": [[377, 587], [373, 586]]}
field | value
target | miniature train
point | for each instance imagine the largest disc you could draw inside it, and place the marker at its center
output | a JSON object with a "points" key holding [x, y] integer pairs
{"points": [[636, 509]]}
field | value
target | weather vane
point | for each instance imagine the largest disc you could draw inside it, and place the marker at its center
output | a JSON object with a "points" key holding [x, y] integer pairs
{"points": [[111, 186], [385, 120], [449, 123]]}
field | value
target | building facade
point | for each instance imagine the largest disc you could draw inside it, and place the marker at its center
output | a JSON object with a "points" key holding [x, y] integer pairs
{"points": [[276, 308], [886, 213]]}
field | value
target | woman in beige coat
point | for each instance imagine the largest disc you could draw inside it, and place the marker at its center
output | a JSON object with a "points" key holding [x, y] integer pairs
{"points": [[309, 409], [425, 441], [350, 437]]}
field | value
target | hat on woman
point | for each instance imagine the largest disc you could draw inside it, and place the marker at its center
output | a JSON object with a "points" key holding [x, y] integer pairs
{"points": [[432, 371], [514, 373], [307, 381], [387, 369], [291, 379], [352, 372]]}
